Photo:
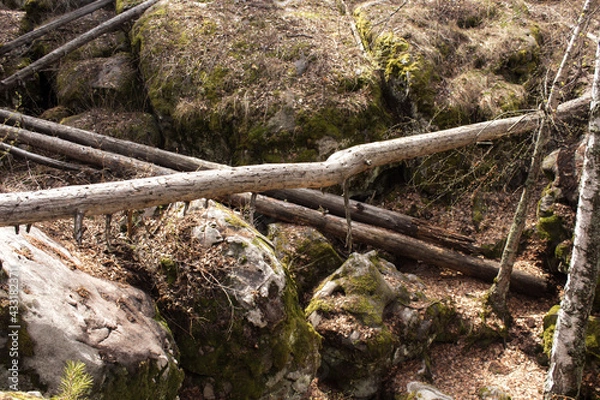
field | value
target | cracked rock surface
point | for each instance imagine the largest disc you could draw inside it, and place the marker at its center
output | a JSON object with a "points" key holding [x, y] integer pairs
{"points": [[65, 314]]}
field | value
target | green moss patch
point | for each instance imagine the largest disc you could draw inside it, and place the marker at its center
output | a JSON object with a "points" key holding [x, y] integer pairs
{"points": [[453, 62], [592, 338]]}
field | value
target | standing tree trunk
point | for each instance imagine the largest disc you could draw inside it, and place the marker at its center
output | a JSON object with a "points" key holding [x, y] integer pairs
{"points": [[496, 297], [568, 349]]}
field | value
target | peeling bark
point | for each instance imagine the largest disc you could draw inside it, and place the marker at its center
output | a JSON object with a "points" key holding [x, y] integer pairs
{"points": [[568, 350], [499, 290]]}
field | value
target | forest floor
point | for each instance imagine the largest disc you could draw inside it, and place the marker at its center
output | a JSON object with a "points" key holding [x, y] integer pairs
{"points": [[459, 369]]}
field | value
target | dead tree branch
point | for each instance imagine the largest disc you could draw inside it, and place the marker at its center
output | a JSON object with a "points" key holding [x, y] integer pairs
{"points": [[57, 23], [107, 198], [80, 152], [396, 243], [74, 44], [50, 162]]}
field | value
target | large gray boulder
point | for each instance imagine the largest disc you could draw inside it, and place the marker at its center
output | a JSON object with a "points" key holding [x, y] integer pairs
{"points": [[372, 317], [64, 314], [234, 310]]}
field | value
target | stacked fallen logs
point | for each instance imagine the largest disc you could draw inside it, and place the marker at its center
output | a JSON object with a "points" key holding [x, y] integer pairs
{"points": [[396, 233]]}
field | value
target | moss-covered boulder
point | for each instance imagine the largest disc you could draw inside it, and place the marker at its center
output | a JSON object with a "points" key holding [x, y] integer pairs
{"points": [[134, 126], [52, 313], [255, 83], [592, 338], [111, 81], [372, 317], [455, 62], [308, 256], [558, 203], [233, 309]]}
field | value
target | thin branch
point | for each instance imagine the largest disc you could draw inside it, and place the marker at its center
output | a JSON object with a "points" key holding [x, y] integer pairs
{"points": [[74, 44], [47, 161], [63, 20]]}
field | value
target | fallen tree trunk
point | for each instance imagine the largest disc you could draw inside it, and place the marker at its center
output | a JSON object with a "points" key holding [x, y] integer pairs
{"points": [[513, 126], [311, 198], [178, 162], [376, 216], [107, 198], [74, 44], [62, 20], [381, 238], [85, 154], [396, 243]]}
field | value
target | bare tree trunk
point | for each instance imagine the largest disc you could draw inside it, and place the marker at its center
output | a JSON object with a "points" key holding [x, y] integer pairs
{"points": [[395, 243], [107, 198], [58, 22], [568, 350], [497, 294], [74, 44]]}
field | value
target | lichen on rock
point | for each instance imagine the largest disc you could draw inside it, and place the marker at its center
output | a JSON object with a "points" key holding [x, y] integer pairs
{"points": [[67, 315], [372, 317], [232, 307]]}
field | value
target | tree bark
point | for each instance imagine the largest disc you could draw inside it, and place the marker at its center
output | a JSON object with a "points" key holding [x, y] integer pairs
{"points": [[568, 350], [62, 20], [376, 216], [107, 198], [85, 154], [74, 44], [499, 290], [395, 243]]}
